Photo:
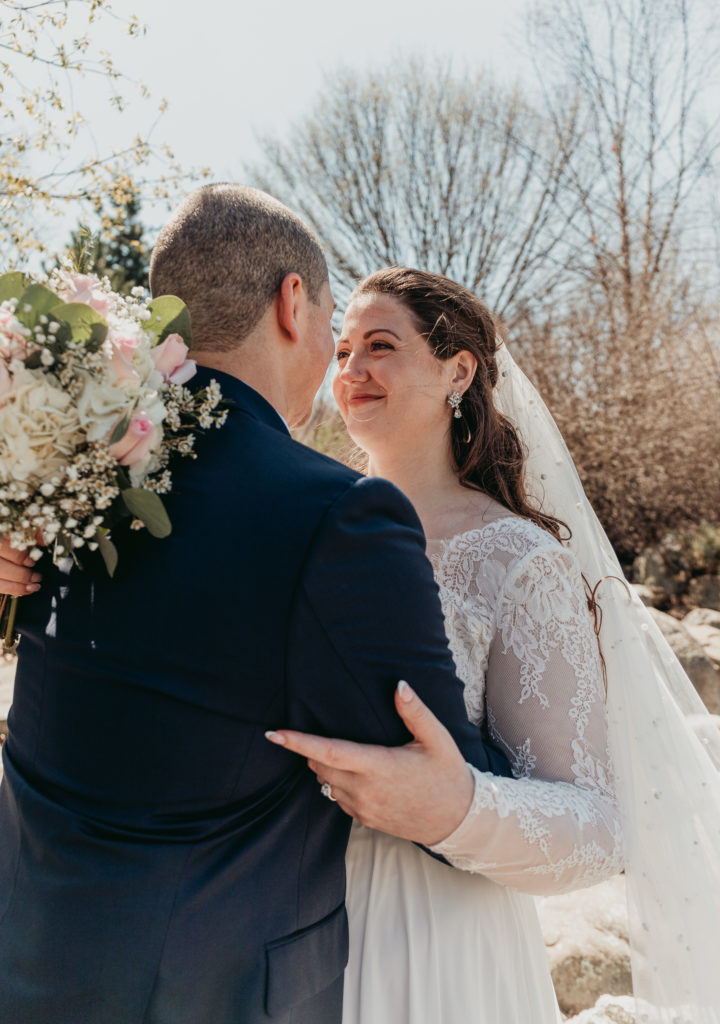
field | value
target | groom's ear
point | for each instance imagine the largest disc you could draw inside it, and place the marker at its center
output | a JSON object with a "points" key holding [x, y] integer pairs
{"points": [[288, 303]]}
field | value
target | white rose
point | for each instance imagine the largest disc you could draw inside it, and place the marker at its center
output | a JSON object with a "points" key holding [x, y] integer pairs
{"points": [[100, 405]]}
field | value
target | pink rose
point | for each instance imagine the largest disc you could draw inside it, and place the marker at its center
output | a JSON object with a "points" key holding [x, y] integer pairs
{"points": [[137, 442], [171, 360], [5, 381], [123, 350], [85, 288], [13, 344]]}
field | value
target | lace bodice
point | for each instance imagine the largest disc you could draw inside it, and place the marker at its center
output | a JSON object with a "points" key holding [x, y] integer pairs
{"points": [[524, 645]]}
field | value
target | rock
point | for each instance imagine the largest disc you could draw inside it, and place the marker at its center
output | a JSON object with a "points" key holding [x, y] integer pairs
{"points": [[705, 591], [608, 1010], [709, 639], [703, 617], [586, 937], [651, 597], [702, 672], [650, 569]]}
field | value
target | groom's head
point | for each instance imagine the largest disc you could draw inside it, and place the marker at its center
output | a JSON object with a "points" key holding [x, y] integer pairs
{"points": [[225, 252]]}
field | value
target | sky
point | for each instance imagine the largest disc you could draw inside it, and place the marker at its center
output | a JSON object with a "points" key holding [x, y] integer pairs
{"points": [[232, 70]]}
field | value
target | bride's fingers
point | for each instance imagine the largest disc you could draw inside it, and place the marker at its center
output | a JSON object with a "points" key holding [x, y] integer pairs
{"points": [[17, 581], [343, 799], [325, 772], [16, 572], [341, 754]]}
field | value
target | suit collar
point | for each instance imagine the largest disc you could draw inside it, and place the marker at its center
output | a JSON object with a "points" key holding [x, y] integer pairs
{"points": [[241, 395]]}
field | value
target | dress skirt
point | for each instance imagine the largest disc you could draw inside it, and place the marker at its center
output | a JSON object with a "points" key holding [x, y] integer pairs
{"points": [[430, 944]]}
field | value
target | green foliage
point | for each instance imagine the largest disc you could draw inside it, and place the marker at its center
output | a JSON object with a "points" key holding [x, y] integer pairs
{"points": [[692, 552], [84, 324], [35, 301], [170, 315], [108, 552], [12, 285], [148, 507], [126, 252]]}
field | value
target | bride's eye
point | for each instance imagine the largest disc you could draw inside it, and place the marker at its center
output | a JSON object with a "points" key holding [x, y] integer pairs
{"points": [[342, 354], [379, 345]]}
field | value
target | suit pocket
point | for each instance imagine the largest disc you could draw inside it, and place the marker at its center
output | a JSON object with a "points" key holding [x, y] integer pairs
{"points": [[307, 961]]}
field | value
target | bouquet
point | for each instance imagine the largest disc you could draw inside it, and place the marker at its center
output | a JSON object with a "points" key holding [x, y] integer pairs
{"points": [[92, 405]]}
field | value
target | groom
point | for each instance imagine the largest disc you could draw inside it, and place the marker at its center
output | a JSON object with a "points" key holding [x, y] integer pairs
{"points": [[160, 861]]}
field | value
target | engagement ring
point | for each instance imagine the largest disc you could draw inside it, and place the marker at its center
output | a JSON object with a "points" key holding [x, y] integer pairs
{"points": [[326, 790]]}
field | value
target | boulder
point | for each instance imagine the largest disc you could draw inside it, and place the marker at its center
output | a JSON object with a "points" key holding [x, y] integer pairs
{"points": [[709, 639], [608, 1010], [701, 670], [705, 591], [650, 569], [703, 617], [586, 937]]}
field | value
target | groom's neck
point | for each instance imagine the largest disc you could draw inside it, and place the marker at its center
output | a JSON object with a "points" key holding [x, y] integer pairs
{"points": [[259, 369]]}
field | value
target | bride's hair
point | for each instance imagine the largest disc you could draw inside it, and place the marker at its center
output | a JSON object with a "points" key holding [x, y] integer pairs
{"points": [[488, 452]]}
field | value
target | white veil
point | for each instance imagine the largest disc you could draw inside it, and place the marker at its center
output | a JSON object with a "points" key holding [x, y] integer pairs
{"points": [[668, 780]]}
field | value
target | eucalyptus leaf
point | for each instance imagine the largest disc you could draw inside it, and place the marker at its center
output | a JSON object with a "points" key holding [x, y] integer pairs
{"points": [[35, 301], [148, 507], [120, 430], [109, 553], [12, 285], [169, 315], [123, 479], [88, 327]]}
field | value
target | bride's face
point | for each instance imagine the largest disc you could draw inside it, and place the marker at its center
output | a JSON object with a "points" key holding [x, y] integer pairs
{"points": [[389, 387]]}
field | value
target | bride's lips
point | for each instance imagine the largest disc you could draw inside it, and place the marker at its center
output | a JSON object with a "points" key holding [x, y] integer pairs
{"points": [[361, 398]]}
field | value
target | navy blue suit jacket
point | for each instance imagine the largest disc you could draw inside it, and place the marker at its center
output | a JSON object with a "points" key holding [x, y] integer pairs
{"points": [[160, 861]]}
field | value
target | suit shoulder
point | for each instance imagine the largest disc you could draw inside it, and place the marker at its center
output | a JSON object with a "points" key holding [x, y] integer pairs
{"points": [[317, 465], [320, 473]]}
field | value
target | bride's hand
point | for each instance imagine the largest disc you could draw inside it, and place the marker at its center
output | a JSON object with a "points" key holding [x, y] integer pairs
{"points": [[421, 791], [16, 572]]}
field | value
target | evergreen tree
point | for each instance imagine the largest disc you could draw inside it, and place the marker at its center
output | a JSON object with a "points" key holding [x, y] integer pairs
{"points": [[118, 250]]}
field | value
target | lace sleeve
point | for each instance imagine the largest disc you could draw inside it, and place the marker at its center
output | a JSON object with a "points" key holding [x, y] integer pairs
{"points": [[554, 826]]}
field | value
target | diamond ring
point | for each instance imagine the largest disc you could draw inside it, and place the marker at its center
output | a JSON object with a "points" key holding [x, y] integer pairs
{"points": [[326, 790]]}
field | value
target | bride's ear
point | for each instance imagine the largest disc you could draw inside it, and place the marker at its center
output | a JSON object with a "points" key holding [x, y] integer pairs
{"points": [[465, 365]]}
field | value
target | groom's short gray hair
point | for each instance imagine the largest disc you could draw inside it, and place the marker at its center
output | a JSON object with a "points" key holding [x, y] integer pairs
{"points": [[225, 252]]}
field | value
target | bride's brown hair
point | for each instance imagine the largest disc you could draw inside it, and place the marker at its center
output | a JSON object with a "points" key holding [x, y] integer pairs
{"points": [[488, 452]]}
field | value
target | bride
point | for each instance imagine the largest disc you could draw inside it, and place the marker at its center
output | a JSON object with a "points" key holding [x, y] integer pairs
{"points": [[606, 769]]}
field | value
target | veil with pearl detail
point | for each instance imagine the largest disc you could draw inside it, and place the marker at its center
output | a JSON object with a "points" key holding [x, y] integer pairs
{"points": [[663, 744]]}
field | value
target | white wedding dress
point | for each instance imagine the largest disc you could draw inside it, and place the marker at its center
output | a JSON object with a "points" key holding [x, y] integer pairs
{"points": [[431, 944]]}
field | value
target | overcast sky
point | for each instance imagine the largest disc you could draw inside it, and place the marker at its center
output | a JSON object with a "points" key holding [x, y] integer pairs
{"points": [[230, 69]]}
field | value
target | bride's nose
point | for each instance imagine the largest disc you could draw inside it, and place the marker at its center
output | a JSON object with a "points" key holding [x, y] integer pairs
{"points": [[353, 369]]}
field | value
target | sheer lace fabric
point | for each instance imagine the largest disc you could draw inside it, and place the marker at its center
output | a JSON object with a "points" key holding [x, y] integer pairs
{"points": [[524, 644]]}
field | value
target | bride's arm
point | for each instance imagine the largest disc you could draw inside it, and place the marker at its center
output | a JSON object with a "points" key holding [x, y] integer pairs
{"points": [[555, 826]]}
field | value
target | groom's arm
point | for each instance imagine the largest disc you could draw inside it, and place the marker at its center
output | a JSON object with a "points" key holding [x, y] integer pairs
{"points": [[366, 614]]}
